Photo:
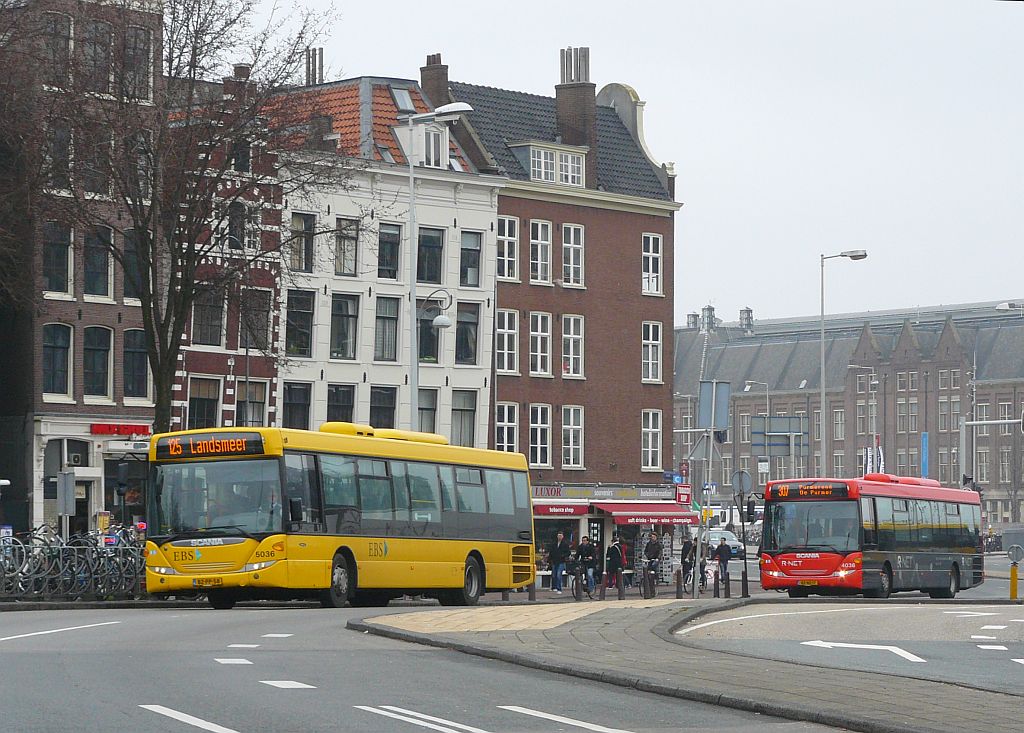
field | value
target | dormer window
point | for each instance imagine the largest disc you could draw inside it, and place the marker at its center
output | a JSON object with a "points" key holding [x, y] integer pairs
{"points": [[542, 165], [435, 153], [568, 171]]}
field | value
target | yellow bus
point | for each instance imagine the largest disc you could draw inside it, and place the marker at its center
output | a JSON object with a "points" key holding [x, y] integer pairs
{"points": [[347, 514]]}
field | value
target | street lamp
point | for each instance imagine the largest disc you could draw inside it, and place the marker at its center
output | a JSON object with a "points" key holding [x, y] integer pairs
{"points": [[439, 321], [852, 254], [444, 113], [767, 395], [872, 415]]}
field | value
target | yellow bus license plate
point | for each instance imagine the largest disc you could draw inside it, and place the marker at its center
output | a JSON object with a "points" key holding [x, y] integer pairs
{"points": [[807, 582], [206, 582]]}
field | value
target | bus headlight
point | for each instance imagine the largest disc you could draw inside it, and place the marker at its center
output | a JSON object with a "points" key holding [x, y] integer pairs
{"points": [[163, 570], [253, 566]]}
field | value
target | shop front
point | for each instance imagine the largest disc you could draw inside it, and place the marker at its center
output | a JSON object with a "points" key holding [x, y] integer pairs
{"points": [[601, 511]]}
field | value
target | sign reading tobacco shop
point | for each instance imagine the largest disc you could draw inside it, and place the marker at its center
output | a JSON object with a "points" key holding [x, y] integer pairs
{"points": [[209, 446]]}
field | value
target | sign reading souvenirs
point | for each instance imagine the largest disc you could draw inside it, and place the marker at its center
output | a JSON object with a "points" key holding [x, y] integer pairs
{"points": [[211, 445], [592, 491], [810, 490]]}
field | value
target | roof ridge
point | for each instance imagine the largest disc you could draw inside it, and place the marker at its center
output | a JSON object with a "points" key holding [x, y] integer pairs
{"points": [[502, 89]]}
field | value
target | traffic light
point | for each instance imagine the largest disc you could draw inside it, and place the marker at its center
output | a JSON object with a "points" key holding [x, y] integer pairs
{"points": [[720, 435], [966, 481], [684, 469], [751, 510]]}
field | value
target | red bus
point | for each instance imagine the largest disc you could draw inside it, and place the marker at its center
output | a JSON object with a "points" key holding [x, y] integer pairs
{"points": [[873, 535]]}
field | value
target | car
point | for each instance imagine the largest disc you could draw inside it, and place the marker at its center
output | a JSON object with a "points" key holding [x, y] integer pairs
{"points": [[735, 546]]}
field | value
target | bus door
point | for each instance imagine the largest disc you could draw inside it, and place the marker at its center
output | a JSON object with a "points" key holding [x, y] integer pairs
{"points": [[301, 502]]}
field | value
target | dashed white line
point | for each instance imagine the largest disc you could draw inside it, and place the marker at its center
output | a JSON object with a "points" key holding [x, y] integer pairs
{"points": [[288, 684], [561, 719], [983, 638], [423, 716], [421, 719], [967, 614], [1018, 661], [190, 719], [277, 636], [57, 631], [992, 628], [232, 661], [243, 646], [406, 718], [993, 647]]}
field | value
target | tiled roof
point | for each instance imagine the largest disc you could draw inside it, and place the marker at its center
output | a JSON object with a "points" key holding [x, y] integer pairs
{"points": [[501, 117]]}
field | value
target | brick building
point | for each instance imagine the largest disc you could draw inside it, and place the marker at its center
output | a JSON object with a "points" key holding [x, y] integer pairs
{"points": [[898, 379]]}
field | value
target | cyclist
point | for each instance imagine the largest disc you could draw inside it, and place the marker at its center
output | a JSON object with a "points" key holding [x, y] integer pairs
{"points": [[652, 558], [587, 556]]}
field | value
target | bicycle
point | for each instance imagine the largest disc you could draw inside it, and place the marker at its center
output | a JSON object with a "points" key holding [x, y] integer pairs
{"points": [[649, 579], [688, 579], [578, 581]]}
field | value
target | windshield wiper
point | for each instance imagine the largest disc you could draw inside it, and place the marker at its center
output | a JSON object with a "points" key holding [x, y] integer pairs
{"points": [[240, 528]]}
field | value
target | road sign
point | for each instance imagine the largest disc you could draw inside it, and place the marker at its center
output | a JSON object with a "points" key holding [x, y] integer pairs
{"points": [[741, 483], [677, 478], [1015, 553], [667, 476], [684, 494], [880, 647], [770, 436], [710, 487]]}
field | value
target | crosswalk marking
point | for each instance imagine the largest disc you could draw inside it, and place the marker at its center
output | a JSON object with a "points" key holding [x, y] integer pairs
{"points": [[993, 647], [232, 661], [288, 684], [992, 628], [983, 638], [561, 719], [1018, 661], [243, 646], [277, 636], [189, 719]]}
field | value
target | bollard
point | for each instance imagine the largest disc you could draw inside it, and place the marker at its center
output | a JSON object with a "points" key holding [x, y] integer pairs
{"points": [[533, 590], [679, 583], [1013, 581], [744, 586], [717, 593], [621, 585], [604, 586], [727, 583], [504, 595]]}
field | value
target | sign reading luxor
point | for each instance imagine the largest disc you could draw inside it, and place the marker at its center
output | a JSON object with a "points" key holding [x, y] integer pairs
{"points": [[210, 445]]}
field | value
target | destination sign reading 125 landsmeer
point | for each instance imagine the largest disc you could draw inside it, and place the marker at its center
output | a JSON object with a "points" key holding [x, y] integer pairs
{"points": [[209, 445], [810, 490]]}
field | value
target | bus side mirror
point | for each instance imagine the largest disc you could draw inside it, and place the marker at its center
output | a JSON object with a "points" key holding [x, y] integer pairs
{"points": [[751, 510], [295, 509]]}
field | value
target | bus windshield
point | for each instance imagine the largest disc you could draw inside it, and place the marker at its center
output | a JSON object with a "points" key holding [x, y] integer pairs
{"points": [[823, 526], [230, 497]]}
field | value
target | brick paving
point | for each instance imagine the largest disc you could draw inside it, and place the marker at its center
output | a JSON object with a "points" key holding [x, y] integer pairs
{"points": [[610, 641]]}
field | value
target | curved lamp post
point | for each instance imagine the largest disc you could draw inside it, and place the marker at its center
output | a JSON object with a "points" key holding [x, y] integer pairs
{"points": [[439, 321]]}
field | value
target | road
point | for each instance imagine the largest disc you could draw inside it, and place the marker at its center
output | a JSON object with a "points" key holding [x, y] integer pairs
{"points": [[977, 645], [298, 668]]}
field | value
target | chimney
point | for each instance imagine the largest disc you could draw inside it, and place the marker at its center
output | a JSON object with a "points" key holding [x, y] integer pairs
{"points": [[242, 71], [314, 66], [747, 321], [693, 320], [434, 80], [576, 106], [707, 319]]}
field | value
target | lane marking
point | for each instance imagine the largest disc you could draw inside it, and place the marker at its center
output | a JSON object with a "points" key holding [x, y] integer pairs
{"points": [[431, 718], [186, 718], [277, 636], [876, 647], [57, 631], [561, 719], [992, 628], [288, 684], [968, 614], [993, 647], [406, 718], [243, 646], [983, 638], [1018, 661], [785, 613], [232, 661]]}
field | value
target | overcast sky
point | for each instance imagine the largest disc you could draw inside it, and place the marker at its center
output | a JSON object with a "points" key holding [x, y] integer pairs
{"points": [[797, 127]]}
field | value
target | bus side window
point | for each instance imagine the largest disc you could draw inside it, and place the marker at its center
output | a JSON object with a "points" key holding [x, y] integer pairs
{"points": [[375, 490], [499, 492], [339, 481], [301, 483], [886, 530], [447, 487], [470, 488], [924, 523], [522, 490], [398, 480], [867, 511], [424, 492]]}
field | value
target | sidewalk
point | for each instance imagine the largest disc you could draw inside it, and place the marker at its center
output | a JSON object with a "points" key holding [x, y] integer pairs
{"points": [[610, 641]]}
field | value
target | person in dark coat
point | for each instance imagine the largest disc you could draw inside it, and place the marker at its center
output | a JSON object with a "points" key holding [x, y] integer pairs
{"points": [[558, 553], [613, 562], [722, 553], [587, 555]]}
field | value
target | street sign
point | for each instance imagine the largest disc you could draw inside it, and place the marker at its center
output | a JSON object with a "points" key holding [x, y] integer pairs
{"points": [[770, 436], [684, 494], [763, 466], [741, 484], [667, 476], [1015, 553], [713, 405], [677, 478], [710, 487]]}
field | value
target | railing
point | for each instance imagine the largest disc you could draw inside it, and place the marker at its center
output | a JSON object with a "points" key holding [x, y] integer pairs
{"points": [[39, 565]]}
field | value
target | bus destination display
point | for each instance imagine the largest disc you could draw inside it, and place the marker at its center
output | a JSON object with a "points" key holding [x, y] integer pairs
{"points": [[810, 490], [209, 446]]}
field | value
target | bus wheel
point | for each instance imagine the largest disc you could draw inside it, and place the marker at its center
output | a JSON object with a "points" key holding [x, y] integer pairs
{"points": [[885, 583], [222, 600], [951, 590], [472, 587], [341, 584]]}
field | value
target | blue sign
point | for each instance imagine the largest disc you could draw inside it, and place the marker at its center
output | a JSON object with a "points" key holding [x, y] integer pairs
{"points": [[667, 476], [677, 478], [924, 455]]}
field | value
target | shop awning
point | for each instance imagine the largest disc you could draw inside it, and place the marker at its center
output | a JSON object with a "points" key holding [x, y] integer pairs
{"points": [[557, 510], [649, 513]]}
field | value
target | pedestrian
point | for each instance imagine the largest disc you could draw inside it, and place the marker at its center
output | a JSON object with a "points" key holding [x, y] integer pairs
{"points": [[613, 562], [722, 553], [652, 552], [558, 553], [587, 556]]}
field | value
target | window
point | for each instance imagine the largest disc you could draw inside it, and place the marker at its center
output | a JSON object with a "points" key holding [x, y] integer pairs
{"points": [[943, 379], [346, 246], [93, 153], [56, 54], [981, 470], [572, 346], [651, 283], [540, 435], [344, 322], [469, 260], [862, 383], [300, 249], [651, 352], [838, 424], [136, 364], [467, 323], [727, 471], [56, 363], [873, 417], [298, 336], [981, 412], [650, 440], [572, 255], [430, 258], [95, 69], [744, 428], [389, 239], [954, 379], [540, 343], [463, 417], [572, 436], [236, 231], [382, 406], [943, 466], [912, 413], [433, 148], [429, 337], [540, 251], [837, 464], [943, 414], [97, 261], [862, 418], [954, 413], [506, 427], [570, 169], [250, 403], [137, 64], [816, 419], [58, 155], [427, 410], [203, 403], [912, 381], [1005, 461], [296, 405], [240, 155], [135, 275], [901, 381], [57, 257], [254, 319], [508, 248], [208, 318], [341, 400], [1005, 413], [139, 174], [542, 165], [506, 342], [385, 341], [901, 416]]}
